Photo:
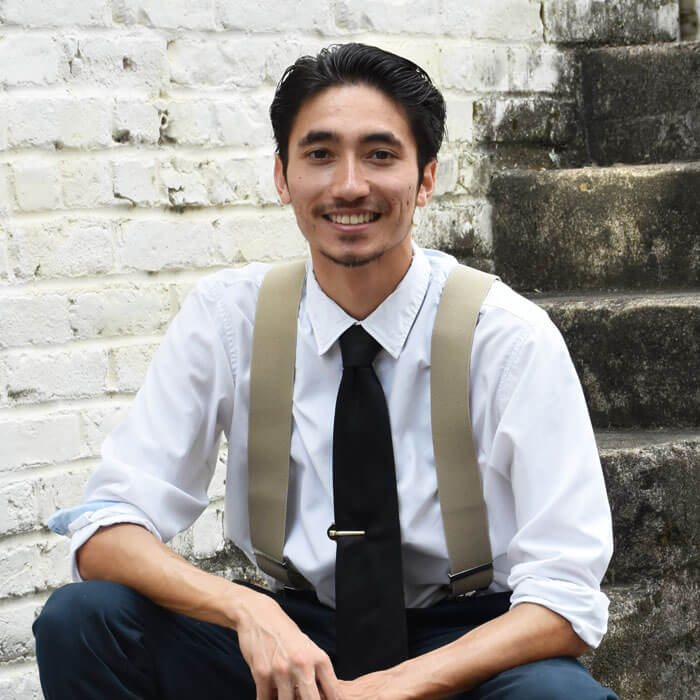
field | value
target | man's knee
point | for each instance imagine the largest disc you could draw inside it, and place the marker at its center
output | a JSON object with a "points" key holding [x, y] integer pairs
{"points": [[82, 610], [552, 679]]}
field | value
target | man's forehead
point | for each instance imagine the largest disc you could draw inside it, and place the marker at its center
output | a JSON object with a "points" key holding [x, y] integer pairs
{"points": [[360, 112]]}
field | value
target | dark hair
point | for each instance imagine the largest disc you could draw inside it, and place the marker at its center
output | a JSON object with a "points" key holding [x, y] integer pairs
{"points": [[351, 64]]}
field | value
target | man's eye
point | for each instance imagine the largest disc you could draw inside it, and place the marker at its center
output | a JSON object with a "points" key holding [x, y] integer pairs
{"points": [[382, 155], [318, 154]]}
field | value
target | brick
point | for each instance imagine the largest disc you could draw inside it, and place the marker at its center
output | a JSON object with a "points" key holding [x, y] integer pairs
{"points": [[37, 184], [33, 564], [69, 248], [612, 22], [184, 183], [4, 269], [208, 532], [20, 682], [447, 174], [240, 62], [128, 366], [166, 244], [48, 439], [123, 310], [135, 183], [232, 181], [388, 16], [267, 237], [33, 498], [537, 120], [86, 182], [16, 619], [98, 423], [34, 319], [4, 118], [189, 123], [460, 115], [7, 196], [126, 63], [510, 20], [176, 14], [135, 122], [51, 13], [270, 15], [50, 376], [544, 69], [244, 122], [475, 67], [59, 122], [27, 59]]}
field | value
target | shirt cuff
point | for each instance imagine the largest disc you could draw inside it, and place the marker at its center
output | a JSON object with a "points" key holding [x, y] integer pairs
{"points": [[585, 609], [86, 525]]}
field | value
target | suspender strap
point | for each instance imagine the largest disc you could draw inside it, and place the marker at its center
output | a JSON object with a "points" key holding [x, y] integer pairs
{"points": [[270, 421], [459, 481], [270, 417]]}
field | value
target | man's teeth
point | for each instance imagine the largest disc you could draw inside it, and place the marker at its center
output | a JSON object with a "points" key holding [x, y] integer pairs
{"points": [[352, 218]]}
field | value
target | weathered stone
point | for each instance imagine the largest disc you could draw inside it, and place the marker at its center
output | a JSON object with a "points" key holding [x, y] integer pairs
{"points": [[610, 21], [611, 228], [637, 356], [651, 648], [642, 104], [540, 120], [652, 479]]}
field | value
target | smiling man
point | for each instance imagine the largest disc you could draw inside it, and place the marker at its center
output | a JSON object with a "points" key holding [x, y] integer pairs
{"points": [[372, 607]]}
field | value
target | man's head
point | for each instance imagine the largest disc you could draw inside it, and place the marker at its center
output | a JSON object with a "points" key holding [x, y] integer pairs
{"points": [[405, 83]]}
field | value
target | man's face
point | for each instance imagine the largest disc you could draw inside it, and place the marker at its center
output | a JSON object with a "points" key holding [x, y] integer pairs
{"points": [[352, 174]]}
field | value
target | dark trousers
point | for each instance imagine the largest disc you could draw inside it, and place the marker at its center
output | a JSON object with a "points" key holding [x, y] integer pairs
{"points": [[103, 640]]}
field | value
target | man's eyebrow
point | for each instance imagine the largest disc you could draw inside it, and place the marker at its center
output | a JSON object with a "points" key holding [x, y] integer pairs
{"points": [[319, 136], [382, 137]]}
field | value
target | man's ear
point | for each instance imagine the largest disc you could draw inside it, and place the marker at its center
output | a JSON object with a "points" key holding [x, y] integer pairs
{"points": [[281, 181], [427, 184]]}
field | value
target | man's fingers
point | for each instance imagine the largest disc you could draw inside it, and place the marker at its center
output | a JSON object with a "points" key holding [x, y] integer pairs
{"points": [[327, 681]]}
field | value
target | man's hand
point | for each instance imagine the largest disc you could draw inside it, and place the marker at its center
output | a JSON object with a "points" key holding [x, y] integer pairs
{"points": [[284, 662]]}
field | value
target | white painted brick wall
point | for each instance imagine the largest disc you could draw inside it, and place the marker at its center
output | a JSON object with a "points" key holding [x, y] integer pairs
{"points": [[135, 157]]}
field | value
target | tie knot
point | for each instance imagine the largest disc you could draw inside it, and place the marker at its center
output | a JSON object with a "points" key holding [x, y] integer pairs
{"points": [[358, 347]]}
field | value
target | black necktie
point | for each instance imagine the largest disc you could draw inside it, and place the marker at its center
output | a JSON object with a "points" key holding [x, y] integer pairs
{"points": [[370, 608]]}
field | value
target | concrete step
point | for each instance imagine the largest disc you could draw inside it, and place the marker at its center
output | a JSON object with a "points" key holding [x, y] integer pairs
{"points": [[651, 650], [652, 479], [597, 228], [642, 103], [638, 356]]}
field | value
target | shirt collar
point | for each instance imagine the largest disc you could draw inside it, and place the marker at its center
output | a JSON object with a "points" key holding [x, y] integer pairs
{"points": [[389, 324]]}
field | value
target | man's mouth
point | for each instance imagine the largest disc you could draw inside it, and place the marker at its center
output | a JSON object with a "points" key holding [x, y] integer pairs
{"points": [[359, 218]]}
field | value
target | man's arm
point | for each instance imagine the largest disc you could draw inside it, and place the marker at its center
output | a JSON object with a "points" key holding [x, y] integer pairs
{"points": [[526, 633], [282, 659]]}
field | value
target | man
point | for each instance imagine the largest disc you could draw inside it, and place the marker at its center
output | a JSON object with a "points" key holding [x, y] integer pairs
{"points": [[357, 131]]}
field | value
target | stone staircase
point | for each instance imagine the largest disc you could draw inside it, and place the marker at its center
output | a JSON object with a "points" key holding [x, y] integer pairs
{"points": [[610, 247]]}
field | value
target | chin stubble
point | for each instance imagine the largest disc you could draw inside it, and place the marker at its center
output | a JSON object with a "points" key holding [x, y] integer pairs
{"points": [[352, 261]]}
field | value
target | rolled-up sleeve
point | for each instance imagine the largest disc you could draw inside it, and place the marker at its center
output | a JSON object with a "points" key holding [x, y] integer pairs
{"points": [[563, 539], [157, 465]]}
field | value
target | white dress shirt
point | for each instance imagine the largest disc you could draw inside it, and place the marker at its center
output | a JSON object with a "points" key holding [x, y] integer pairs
{"points": [[548, 515]]}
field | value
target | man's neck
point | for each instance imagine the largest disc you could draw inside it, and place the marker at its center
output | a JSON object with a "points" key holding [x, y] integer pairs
{"points": [[359, 290]]}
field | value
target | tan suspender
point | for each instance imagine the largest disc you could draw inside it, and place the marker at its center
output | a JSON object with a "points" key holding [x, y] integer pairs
{"points": [[270, 420], [270, 417], [459, 480]]}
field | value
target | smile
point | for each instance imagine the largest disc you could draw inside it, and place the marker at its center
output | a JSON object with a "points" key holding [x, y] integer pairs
{"points": [[362, 218]]}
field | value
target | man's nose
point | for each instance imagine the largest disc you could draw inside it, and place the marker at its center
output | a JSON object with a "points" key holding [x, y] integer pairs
{"points": [[349, 181]]}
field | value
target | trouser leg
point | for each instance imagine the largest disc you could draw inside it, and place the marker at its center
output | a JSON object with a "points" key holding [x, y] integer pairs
{"points": [[551, 679], [99, 639]]}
